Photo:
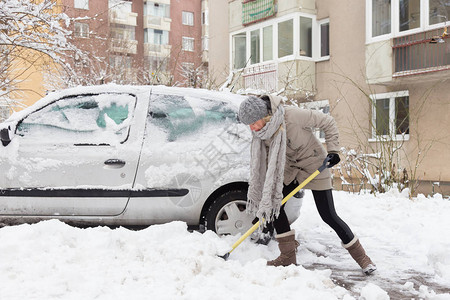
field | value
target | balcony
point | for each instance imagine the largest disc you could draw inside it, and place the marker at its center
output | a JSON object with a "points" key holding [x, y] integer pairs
{"points": [[124, 46], [261, 77], [421, 53], [157, 50], [124, 18], [157, 22]]}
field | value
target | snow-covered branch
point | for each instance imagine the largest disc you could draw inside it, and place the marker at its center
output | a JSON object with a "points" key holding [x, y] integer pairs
{"points": [[32, 34]]}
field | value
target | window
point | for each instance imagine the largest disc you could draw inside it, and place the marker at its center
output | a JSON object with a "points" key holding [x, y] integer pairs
{"points": [[187, 43], [391, 114], [324, 39], [157, 9], [393, 18], [267, 43], [84, 119], [123, 32], [295, 36], [285, 38], [409, 14], [254, 46], [205, 43], [119, 62], [239, 50], [83, 4], [177, 117], [439, 11], [381, 17], [322, 105], [188, 66], [156, 36], [205, 18], [81, 30], [188, 18], [157, 64], [120, 10], [4, 111], [305, 36]]}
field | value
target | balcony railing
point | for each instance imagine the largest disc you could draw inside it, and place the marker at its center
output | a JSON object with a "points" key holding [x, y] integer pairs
{"points": [[124, 18], [421, 53], [157, 22], [261, 77], [124, 46], [157, 50]]}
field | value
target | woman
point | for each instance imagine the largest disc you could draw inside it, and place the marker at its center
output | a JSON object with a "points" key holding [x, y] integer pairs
{"points": [[284, 152]]}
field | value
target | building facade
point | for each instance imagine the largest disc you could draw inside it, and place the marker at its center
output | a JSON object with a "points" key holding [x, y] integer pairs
{"points": [[145, 42], [381, 67]]}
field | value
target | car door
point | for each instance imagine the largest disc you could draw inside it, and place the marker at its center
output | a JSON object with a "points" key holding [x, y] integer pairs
{"points": [[185, 151], [76, 156]]}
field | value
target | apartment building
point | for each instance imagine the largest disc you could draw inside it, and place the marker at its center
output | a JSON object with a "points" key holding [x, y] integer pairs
{"points": [[380, 67], [91, 32], [141, 42]]}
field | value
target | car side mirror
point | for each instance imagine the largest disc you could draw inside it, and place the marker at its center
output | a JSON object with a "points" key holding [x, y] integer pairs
{"points": [[5, 136]]}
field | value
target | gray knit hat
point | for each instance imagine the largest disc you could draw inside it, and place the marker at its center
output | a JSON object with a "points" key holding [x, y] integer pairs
{"points": [[252, 109]]}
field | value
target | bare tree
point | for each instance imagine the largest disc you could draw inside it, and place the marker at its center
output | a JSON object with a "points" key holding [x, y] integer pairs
{"points": [[385, 162], [32, 36]]}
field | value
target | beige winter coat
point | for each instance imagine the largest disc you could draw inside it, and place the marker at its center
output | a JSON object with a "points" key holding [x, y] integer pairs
{"points": [[304, 152]]}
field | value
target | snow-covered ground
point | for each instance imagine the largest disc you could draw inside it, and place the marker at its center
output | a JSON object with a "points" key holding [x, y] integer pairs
{"points": [[409, 240]]}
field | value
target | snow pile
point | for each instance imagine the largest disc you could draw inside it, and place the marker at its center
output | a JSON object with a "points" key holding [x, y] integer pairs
{"points": [[407, 239], [51, 260]]}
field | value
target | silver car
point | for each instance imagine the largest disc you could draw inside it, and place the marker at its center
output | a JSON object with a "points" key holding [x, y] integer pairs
{"points": [[128, 156]]}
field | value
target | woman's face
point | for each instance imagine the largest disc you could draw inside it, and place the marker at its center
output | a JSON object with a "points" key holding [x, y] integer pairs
{"points": [[258, 125]]}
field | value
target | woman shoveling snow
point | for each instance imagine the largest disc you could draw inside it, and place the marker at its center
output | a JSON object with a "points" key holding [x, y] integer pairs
{"points": [[284, 151]]}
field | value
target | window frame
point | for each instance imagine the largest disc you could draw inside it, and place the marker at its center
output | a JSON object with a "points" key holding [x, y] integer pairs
{"points": [[165, 110], [151, 32], [310, 41], [205, 43], [205, 17], [395, 26], [319, 39], [263, 43], [4, 111], [162, 10], [186, 40], [187, 18], [85, 6], [295, 17], [258, 58], [232, 50], [392, 96], [131, 115], [83, 32]]}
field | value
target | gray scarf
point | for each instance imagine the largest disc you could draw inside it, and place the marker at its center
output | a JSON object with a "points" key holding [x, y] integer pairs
{"points": [[265, 191]]}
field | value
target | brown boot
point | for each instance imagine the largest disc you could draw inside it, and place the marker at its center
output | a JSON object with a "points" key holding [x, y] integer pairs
{"points": [[288, 248], [359, 255]]}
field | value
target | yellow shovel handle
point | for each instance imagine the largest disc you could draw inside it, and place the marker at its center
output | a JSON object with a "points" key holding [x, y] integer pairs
{"points": [[295, 191]]}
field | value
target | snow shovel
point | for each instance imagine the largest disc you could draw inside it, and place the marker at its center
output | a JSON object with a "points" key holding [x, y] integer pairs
{"points": [[295, 191]]}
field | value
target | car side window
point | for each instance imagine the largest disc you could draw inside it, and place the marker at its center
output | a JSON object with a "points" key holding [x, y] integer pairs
{"points": [[185, 115], [84, 119]]}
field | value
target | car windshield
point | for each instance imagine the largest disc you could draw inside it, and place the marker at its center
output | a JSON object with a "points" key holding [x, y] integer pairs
{"points": [[185, 115]]}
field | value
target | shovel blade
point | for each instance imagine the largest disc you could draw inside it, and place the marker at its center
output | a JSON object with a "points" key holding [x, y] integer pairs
{"points": [[225, 256]]}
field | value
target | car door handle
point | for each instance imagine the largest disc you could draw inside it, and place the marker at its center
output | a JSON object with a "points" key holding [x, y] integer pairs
{"points": [[114, 163]]}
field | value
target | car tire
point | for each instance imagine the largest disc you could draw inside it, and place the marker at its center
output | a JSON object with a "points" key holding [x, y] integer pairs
{"points": [[227, 214]]}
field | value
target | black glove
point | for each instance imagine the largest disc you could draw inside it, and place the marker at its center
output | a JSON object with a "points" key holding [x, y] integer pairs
{"points": [[334, 159]]}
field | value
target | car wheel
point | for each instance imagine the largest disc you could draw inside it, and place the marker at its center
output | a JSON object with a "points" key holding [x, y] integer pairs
{"points": [[227, 214]]}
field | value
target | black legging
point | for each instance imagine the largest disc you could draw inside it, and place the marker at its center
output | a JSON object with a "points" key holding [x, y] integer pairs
{"points": [[325, 207]]}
